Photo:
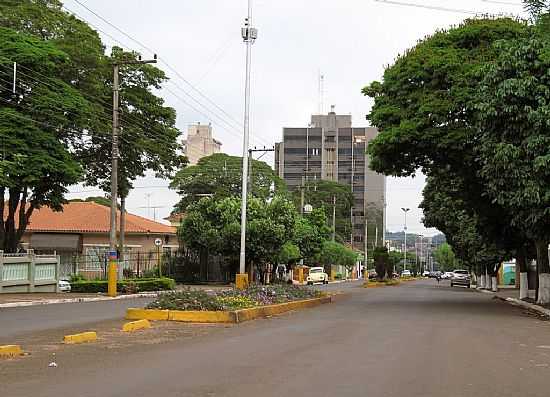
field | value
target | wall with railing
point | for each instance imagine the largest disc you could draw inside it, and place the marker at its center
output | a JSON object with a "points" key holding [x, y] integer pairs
{"points": [[28, 272]]}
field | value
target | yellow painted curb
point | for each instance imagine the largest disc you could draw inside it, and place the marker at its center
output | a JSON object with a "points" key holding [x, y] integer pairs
{"points": [[80, 338], [136, 325], [236, 316], [201, 316], [146, 314], [9, 351]]}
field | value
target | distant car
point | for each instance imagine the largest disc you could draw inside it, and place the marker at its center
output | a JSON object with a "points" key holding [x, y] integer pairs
{"points": [[426, 273], [447, 275], [372, 274], [64, 286], [317, 275], [406, 273], [460, 277]]}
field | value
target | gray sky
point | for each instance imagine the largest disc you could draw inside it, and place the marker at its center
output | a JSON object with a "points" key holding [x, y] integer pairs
{"points": [[348, 41]]}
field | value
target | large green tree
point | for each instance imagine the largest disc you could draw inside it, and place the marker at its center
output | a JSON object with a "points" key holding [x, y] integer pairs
{"points": [[445, 257], [147, 128], [220, 175], [425, 109], [329, 196], [514, 148], [36, 166], [212, 225]]}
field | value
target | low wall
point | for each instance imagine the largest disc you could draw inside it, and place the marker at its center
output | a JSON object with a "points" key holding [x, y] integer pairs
{"points": [[28, 272]]}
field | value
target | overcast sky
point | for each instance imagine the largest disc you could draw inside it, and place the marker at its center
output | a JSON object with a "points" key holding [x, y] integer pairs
{"points": [[348, 41]]}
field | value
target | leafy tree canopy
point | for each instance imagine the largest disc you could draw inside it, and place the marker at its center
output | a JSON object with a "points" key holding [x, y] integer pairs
{"points": [[320, 194], [220, 175], [35, 165]]}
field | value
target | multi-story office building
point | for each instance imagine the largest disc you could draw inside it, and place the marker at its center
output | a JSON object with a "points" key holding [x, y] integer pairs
{"points": [[331, 149], [200, 143]]}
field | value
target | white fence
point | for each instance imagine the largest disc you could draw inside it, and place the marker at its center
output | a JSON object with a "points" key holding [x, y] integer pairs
{"points": [[28, 272]]}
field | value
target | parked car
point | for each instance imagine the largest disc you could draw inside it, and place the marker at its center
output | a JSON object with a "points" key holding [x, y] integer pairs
{"points": [[426, 273], [447, 275], [460, 277], [317, 275], [372, 274], [64, 286], [406, 273]]}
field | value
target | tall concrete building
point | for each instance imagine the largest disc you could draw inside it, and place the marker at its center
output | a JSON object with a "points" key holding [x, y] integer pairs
{"points": [[331, 149], [200, 143]]}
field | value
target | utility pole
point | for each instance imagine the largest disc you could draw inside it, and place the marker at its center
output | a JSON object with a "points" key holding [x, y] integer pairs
{"points": [[114, 172], [334, 218], [250, 158], [302, 192], [405, 210], [249, 35]]}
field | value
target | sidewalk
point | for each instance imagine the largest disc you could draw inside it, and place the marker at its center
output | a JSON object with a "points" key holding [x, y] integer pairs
{"points": [[35, 299], [511, 295]]}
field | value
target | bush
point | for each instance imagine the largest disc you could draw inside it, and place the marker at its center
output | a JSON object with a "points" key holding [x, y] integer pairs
{"points": [[186, 300], [338, 276], [127, 286], [255, 295], [76, 277]]}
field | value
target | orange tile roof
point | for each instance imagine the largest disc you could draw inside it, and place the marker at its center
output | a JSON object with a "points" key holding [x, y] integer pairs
{"points": [[90, 217]]}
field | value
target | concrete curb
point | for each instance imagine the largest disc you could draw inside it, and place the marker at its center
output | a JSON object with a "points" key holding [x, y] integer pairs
{"points": [[518, 302], [10, 351], [133, 326], [235, 316], [79, 300], [83, 337]]}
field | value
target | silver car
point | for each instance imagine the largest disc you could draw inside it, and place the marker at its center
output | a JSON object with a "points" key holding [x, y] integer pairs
{"points": [[460, 277]]}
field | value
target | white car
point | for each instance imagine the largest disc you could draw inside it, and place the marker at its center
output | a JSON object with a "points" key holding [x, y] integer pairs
{"points": [[317, 275], [426, 273], [447, 275], [64, 286], [406, 273]]}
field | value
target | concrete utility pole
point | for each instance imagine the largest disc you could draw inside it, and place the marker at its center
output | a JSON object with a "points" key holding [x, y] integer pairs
{"points": [[250, 158], [334, 218], [114, 171], [249, 35], [302, 192], [405, 210]]}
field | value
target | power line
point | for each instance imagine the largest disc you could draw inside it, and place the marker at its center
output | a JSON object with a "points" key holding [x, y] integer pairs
{"points": [[439, 8], [143, 46]]}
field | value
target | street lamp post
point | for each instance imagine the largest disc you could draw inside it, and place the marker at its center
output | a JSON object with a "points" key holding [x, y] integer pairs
{"points": [[249, 35], [405, 210]]}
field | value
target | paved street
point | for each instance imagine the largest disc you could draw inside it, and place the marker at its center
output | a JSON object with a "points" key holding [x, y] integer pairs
{"points": [[419, 339], [21, 320]]}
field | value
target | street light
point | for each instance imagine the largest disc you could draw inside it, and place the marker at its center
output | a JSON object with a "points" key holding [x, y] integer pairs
{"points": [[249, 35], [405, 210]]}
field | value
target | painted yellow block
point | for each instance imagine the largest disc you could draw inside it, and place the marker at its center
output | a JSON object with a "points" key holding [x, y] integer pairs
{"points": [[80, 338], [136, 325], [241, 281], [272, 310], [9, 351], [201, 316], [146, 314]]}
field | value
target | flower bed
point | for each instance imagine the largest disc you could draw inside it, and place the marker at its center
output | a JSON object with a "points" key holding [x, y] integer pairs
{"points": [[253, 296]]}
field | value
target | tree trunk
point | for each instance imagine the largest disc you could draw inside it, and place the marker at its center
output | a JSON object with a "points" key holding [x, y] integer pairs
{"points": [[521, 269], [543, 268], [121, 236]]}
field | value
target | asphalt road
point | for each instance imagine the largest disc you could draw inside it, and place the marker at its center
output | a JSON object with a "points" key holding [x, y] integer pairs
{"points": [[419, 339], [22, 320]]}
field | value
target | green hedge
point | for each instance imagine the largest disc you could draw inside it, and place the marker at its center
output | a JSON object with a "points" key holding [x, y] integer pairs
{"points": [[130, 285]]}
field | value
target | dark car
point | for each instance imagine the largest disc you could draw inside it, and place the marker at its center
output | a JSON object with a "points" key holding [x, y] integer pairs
{"points": [[460, 277]]}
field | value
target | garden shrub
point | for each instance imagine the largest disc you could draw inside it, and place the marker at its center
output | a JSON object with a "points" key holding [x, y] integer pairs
{"points": [[134, 285]]}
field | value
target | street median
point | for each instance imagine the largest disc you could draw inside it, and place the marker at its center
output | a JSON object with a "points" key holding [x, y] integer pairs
{"points": [[234, 316]]}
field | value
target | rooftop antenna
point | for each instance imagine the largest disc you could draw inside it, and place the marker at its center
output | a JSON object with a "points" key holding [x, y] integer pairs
{"points": [[321, 92]]}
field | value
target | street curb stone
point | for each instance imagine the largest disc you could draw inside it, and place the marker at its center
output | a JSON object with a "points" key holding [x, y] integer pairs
{"points": [[79, 300], [518, 302]]}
